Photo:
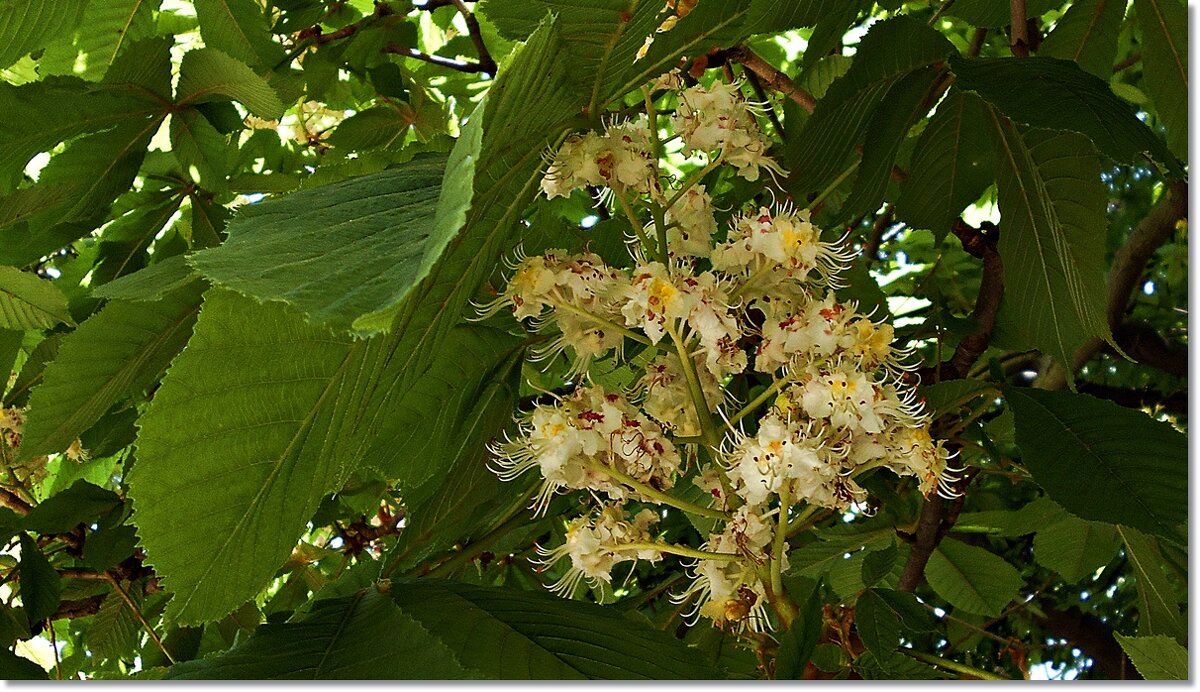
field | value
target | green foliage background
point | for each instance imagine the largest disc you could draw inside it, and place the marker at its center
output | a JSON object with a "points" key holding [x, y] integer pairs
{"points": [[238, 240]]}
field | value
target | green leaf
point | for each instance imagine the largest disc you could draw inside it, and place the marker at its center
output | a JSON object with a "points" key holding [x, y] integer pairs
{"points": [[972, 578], [506, 634], [952, 165], [889, 51], [877, 624], [372, 128], [797, 644], [118, 352], [41, 588], [115, 629], [1075, 548], [951, 396], [1083, 103], [1052, 207], [199, 148], [1156, 658], [1135, 467], [124, 243], [14, 667], [352, 249], [26, 25], [364, 637], [239, 29], [878, 564], [1087, 34], [261, 416], [28, 301], [108, 30], [1158, 608], [150, 284], [207, 75], [1165, 53], [31, 372], [64, 511], [886, 132]]}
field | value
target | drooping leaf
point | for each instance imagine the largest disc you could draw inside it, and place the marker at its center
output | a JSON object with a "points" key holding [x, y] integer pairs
{"points": [[890, 50], [351, 249], [363, 637], [1165, 53], [1158, 609], [508, 634], [41, 588], [118, 352], [28, 301], [1083, 103], [1052, 208], [261, 416], [199, 147], [208, 75], [1156, 658], [26, 25], [1135, 467], [972, 578], [877, 624], [951, 167], [1087, 34]]}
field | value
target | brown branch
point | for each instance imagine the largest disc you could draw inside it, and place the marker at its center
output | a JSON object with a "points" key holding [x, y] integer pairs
{"points": [[870, 249], [1020, 29], [486, 63], [1092, 636], [12, 501], [1127, 63], [977, 40], [771, 76], [1129, 263], [938, 516], [1145, 345]]}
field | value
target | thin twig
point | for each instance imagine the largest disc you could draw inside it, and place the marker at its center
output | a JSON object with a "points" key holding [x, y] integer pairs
{"points": [[486, 63], [461, 66], [1127, 63]]}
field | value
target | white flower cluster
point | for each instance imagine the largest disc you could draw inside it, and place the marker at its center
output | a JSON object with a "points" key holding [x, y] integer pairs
{"points": [[714, 306]]}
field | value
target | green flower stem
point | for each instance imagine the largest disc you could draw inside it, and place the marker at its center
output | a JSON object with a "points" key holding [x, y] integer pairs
{"points": [[683, 551], [633, 222], [952, 666], [837, 182], [804, 520], [759, 400], [780, 543], [712, 434], [753, 279], [655, 494], [640, 338]]}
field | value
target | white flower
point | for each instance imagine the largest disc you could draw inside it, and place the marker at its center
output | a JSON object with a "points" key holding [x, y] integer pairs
{"points": [[667, 398], [771, 246], [717, 117], [595, 545], [690, 224], [619, 158], [730, 591]]}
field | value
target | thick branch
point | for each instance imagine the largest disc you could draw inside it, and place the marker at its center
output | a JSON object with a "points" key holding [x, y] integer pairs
{"points": [[486, 63], [1020, 29], [771, 76], [1092, 636]]}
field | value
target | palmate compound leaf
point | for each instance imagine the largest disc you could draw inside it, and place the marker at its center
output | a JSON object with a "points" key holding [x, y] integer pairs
{"points": [[442, 630], [341, 251], [259, 418], [1101, 461], [118, 352], [1052, 219]]}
